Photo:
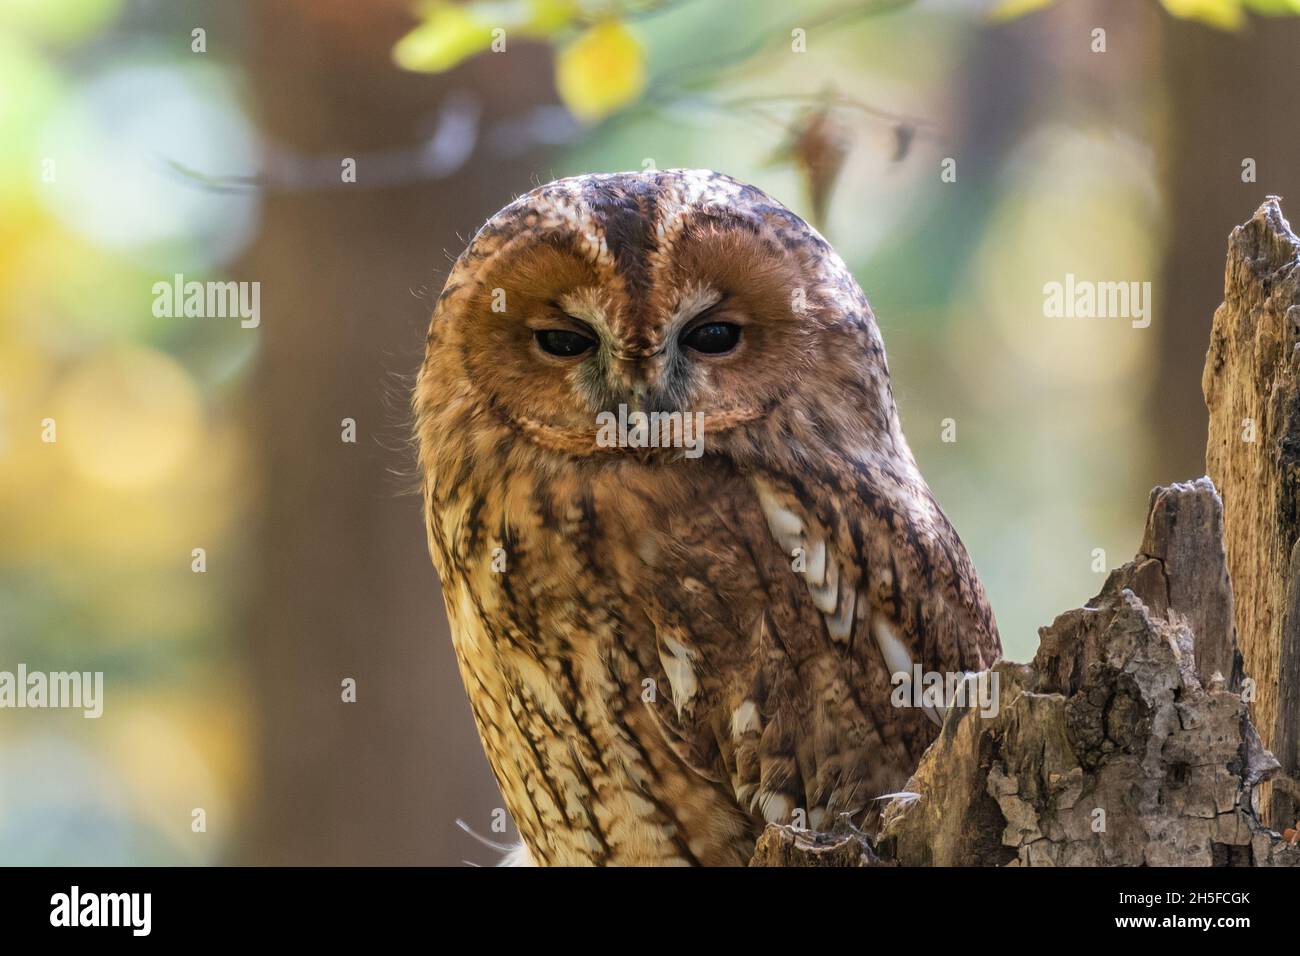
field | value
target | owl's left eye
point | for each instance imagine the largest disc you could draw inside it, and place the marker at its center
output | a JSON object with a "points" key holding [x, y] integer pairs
{"points": [[713, 338], [563, 342]]}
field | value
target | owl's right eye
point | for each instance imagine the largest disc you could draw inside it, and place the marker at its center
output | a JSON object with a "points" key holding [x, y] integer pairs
{"points": [[563, 342]]}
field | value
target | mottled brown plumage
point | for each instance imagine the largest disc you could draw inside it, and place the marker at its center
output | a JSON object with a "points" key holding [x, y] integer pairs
{"points": [[662, 652]]}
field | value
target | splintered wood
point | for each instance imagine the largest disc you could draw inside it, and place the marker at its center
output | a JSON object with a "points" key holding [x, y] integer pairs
{"points": [[1253, 394]]}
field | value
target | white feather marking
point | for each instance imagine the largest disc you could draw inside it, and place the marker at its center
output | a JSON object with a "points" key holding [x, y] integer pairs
{"points": [[585, 303], [681, 675], [518, 856], [826, 595], [744, 720], [815, 563], [894, 652], [821, 570], [907, 796], [840, 626], [695, 300], [784, 523], [776, 807]]}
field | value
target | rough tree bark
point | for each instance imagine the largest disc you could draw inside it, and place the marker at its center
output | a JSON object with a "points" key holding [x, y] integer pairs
{"points": [[1129, 738], [1253, 455]]}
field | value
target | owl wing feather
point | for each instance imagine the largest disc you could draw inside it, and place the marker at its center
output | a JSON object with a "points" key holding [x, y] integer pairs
{"points": [[780, 613]]}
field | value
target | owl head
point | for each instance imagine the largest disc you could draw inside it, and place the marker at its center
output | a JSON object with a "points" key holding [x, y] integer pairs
{"points": [[658, 292]]}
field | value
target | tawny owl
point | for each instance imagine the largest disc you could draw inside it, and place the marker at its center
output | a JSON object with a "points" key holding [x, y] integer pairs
{"points": [[665, 647]]}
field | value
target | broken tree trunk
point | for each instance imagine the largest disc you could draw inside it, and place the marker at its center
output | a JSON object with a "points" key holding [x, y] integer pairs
{"points": [[1253, 455], [1113, 746], [1129, 740]]}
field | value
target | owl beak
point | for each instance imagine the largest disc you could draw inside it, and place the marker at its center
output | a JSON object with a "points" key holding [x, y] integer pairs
{"points": [[636, 375]]}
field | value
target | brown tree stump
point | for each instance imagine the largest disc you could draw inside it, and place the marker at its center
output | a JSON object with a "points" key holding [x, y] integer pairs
{"points": [[1253, 394]]}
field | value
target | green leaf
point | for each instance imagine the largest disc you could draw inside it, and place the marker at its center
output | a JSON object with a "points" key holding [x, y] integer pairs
{"points": [[1274, 8], [58, 20]]}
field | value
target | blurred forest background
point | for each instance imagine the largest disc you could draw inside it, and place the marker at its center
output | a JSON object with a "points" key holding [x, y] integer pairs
{"points": [[129, 155]]}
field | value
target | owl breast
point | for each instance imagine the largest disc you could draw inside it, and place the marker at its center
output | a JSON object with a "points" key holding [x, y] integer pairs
{"points": [[543, 586], [651, 677]]}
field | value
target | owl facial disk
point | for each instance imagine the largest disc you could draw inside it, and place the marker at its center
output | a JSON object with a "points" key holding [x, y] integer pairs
{"points": [[714, 317]]}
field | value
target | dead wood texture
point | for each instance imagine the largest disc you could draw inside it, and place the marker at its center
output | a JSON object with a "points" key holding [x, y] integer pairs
{"points": [[1253, 456], [1130, 738]]}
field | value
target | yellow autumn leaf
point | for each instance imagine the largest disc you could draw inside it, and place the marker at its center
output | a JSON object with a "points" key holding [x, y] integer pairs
{"points": [[448, 35], [547, 16], [1010, 9], [600, 71], [453, 32], [1224, 14]]}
